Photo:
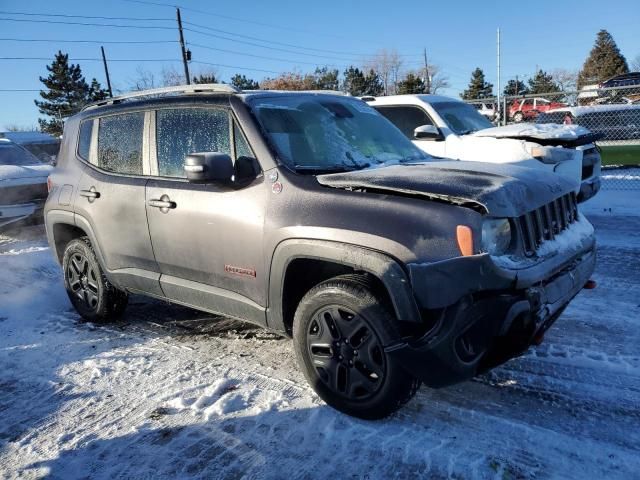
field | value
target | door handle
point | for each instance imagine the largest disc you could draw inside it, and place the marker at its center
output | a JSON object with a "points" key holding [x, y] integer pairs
{"points": [[90, 194], [164, 203]]}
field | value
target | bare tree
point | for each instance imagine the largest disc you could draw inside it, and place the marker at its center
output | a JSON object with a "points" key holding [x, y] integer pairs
{"points": [[635, 63], [387, 64], [171, 77], [144, 80], [437, 79], [14, 127], [567, 80]]}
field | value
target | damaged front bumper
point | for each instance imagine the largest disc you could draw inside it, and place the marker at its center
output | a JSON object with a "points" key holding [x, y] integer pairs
{"points": [[480, 314]]}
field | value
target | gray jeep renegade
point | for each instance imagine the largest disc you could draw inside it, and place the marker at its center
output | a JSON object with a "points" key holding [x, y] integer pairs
{"points": [[310, 214]]}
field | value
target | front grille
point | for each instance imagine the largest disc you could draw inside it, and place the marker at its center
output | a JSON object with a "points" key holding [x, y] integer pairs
{"points": [[547, 221]]}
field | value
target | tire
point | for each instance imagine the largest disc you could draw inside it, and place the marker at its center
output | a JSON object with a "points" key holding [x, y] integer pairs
{"points": [[339, 330], [95, 299], [518, 117]]}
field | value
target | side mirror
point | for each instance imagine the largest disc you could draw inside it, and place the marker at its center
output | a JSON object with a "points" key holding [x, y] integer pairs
{"points": [[212, 167], [428, 132]]}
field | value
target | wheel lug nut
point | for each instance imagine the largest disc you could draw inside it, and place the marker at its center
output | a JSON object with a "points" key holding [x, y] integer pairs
{"points": [[355, 352], [340, 357], [350, 363]]}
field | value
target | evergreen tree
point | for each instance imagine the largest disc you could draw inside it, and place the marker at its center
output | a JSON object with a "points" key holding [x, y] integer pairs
{"points": [[373, 84], [604, 61], [244, 83], [67, 92], [478, 87], [411, 84], [355, 82], [205, 78], [511, 88], [542, 82], [96, 92], [326, 79]]}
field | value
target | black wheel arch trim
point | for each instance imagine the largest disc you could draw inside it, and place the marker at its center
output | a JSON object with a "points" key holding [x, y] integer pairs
{"points": [[385, 268]]}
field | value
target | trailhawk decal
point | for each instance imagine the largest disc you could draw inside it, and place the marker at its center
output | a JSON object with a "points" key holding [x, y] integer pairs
{"points": [[248, 272]]}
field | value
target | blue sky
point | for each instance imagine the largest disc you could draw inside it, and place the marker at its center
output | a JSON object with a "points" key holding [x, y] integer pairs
{"points": [[458, 37]]}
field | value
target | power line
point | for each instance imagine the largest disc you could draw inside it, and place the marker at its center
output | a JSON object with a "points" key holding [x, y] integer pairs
{"points": [[86, 41], [145, 19], [157, 27]]}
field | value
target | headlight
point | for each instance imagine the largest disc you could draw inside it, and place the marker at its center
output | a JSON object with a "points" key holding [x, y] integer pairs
{"points": [[552, 154], [496, 236]]}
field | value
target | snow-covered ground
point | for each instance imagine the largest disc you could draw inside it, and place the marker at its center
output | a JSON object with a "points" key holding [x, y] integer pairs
{"points": [[173, 393]]}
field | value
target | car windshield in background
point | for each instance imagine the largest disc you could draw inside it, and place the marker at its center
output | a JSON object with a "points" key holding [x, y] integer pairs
{"points": [[325, 133], [14, 155], [461, 118]]}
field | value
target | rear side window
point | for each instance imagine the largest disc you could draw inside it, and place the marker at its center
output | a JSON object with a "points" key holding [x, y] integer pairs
{"points": [[84, 142], [120, 143], [407, 119], [182, 131]]}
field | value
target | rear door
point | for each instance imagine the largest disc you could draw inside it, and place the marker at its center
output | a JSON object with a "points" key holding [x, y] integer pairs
{"points": [[208, 244], [111, 197]]}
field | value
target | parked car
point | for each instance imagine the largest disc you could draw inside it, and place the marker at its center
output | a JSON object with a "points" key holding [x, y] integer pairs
{"points": [[630, 79], [23, 184], [486, 109], [449, 128], [617, 125], [311, 215], [526, 109], [42, 145]]}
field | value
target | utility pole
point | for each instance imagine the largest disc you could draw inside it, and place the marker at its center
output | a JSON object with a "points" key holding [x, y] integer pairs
{"points": [[185, 53], [427, 78], [498, 96], [106, 71]]}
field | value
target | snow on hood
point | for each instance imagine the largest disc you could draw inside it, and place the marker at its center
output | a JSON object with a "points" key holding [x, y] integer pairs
{"points": [[500, 190], [13, 175], [535, 131]]}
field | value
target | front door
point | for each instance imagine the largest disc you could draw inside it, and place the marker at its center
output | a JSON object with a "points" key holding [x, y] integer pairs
{"points": [[111, 198], [207, 238]]}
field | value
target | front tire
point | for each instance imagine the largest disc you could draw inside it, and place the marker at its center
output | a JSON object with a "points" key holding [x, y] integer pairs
{"points": [[518, 117], [340, 329], [95, 299]]}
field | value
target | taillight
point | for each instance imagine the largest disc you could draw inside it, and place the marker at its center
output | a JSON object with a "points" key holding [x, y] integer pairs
{"points": [[49, 184]]}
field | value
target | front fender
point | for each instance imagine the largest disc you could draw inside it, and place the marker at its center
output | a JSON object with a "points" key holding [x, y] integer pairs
{"points": [[383, 267]]}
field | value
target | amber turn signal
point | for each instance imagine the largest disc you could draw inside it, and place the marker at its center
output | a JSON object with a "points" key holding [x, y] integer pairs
{"points": [[465, 240]]}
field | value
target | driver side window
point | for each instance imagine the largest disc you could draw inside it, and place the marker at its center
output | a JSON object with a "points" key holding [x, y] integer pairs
{"points": [[406, 118]]}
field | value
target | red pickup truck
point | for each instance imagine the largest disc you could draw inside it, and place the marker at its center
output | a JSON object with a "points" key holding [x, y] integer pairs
{"points": [[529, 108]]}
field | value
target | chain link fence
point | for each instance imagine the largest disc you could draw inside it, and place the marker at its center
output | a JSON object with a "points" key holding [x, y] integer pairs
{"points": [[613, 113]]}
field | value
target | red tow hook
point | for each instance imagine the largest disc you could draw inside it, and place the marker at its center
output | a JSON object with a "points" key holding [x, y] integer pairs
{"points": [[590, 285]]}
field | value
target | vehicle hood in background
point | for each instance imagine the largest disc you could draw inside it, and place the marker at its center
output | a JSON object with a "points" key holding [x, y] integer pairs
{"points": [[543, 134], [499, 190]]}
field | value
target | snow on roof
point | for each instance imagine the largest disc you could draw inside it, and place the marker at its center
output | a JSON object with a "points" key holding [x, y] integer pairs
{"points": [[29, 137], [534, 130]]}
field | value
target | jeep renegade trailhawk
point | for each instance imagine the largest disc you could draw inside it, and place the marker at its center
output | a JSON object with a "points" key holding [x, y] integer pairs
{"points": [[312, 215]]}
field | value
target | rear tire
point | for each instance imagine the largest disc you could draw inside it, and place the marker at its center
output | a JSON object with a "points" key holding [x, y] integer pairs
{"points": [[339, 332], [518, 117], [95, 299]]}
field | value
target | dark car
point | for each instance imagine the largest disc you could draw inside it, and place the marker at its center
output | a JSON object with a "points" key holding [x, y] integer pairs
{"points": [[312, 215], [625, 80], [23, 184]]}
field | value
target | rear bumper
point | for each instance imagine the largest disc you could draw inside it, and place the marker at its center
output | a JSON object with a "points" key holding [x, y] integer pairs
{"points": [[487, 326]]}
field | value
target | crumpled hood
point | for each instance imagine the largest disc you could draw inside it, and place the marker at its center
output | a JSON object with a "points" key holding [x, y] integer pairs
{"points": [[24, 174], [544, 134], [499, 190]]}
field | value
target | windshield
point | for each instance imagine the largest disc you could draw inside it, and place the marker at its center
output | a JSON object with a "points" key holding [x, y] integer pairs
{"points": [[325, 133], [461, 118], [11, 154]]}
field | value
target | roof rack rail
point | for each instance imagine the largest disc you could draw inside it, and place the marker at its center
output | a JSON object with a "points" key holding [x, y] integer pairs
{"points": [[198, 88], [320, 92]]}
